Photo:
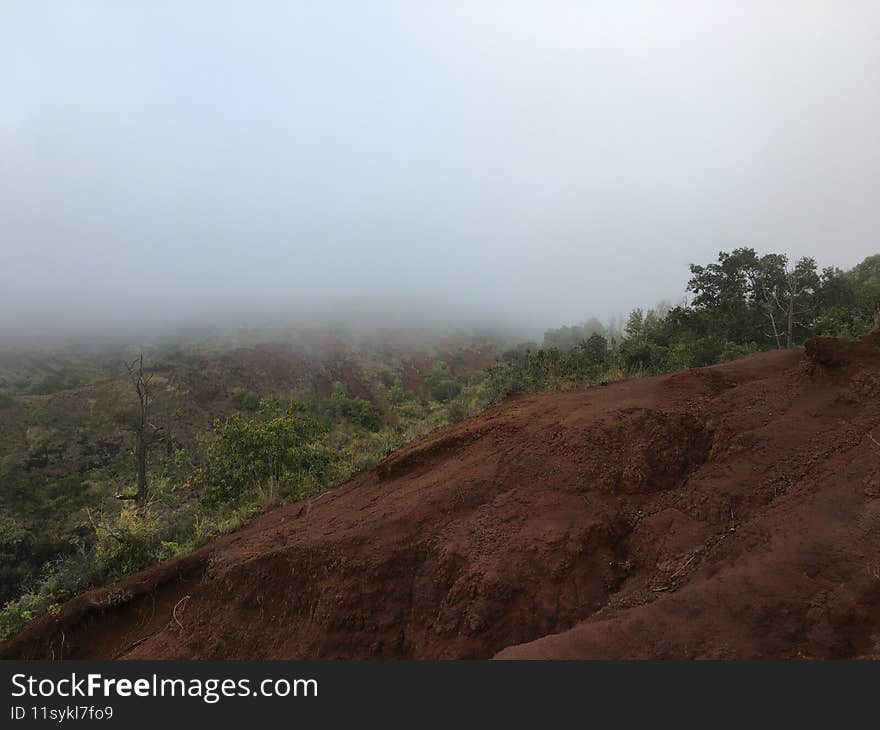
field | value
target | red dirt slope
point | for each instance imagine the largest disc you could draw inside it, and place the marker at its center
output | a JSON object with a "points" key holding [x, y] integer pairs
{"points": [[727, 512]]}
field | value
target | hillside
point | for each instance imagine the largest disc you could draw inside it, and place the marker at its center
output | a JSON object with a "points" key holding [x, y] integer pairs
{"points": [[723, 512], [66, 439]]}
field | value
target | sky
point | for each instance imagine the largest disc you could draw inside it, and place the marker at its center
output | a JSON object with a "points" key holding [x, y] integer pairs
{"points": [[541, 162]]}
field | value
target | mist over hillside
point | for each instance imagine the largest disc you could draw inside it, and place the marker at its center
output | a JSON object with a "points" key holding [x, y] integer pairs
{"points": [[363, 321], [534, 164]]}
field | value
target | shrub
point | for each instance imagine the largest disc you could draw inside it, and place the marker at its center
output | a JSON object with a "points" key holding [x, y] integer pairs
{"points": [[245, 400], [587, 359], [357, 410], [457, 411], [130, 542], [443, 384], [285, 446], [61, 579], [15, 614], [340, 407], [38, 437]]}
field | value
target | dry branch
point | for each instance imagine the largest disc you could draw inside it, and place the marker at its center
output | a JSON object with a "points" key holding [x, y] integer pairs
{"points": [[176, 606]]}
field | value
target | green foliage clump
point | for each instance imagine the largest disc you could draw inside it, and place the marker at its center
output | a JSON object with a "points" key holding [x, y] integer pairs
{"points": [[6, 401], [60, 578], [245, 399], [443, 385], [588, 359], [392, 385], [115, 545], [286, 446], [341, 408], [15, 614], [39, 522], [848, 302], [131, 542], [529, 371]]}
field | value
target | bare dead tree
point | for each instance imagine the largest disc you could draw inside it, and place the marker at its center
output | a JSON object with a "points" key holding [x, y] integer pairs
{"points": [[781, 297], [760, 285], [795, 285], [141, 382], [762, 288]]}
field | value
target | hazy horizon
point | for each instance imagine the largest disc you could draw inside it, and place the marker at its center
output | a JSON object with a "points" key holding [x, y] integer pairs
{"points": [[530, 163]]}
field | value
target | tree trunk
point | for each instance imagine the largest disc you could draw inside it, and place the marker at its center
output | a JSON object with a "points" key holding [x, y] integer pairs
{"points": [[141, 455], [790, 336], [141, 383], [775, 329]]}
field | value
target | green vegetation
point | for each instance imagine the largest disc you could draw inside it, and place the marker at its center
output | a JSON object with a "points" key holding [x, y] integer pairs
{"points": [[341, 408], [245, 399], [285, 447], [62, 530], [61, 536], [443, 384], [742, 303], [565, 338]]}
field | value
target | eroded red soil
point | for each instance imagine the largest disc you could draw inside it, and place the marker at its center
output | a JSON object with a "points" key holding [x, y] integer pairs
{"points": [[727, 512]]}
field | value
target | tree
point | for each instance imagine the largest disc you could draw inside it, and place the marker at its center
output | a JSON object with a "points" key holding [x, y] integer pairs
{"points": [[766, 276], [801, 280], [635, 351], [865, 279], [443, 384], [587, 359], [742, 293], [565, 338], [781, 289], [596, 350], [141, 382], [724, 293], [635, 327], [283, 446]]}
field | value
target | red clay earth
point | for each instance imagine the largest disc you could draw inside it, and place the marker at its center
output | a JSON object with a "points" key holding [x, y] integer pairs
{"points": [[727, 512]]}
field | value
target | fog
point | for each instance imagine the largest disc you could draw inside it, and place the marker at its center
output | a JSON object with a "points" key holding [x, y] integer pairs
{"points": [[535, 162]]}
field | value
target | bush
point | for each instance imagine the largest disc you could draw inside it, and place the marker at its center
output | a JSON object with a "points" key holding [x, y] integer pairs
{"points": [[283, 446], [246, 400], [6, 401], [38, 437], [587, 359], [129, 543], [357, 410], [444, 386], [15, 614], [123, 544], [61, 579], [457, 411], [392, 384], [507, 380], [340, 407]]}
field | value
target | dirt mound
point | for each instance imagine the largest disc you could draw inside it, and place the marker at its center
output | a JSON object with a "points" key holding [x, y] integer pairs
{"points": [[732, 511]]}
